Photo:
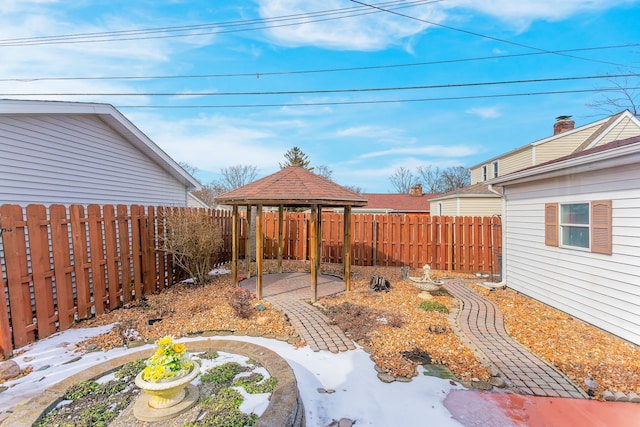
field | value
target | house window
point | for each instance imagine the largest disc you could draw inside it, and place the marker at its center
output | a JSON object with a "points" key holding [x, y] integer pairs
{"points": [[574, 225], [495, 169], [580, 225], [484, 173]]}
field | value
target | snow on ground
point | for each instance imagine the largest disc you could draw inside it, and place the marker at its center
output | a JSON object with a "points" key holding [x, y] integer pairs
{"points": [[358, 393]]}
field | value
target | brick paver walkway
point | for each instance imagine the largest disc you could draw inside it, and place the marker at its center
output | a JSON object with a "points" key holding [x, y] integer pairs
{"points": [[480, 320], [289, 292]]}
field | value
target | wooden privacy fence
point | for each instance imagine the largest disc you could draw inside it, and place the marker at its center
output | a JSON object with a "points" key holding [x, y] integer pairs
{"points": [[65, 264], [465, 244]]}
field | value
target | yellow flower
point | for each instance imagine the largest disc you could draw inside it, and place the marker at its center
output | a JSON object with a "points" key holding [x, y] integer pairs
{"points": [[179, 348], [165, 340], [160, 351]]}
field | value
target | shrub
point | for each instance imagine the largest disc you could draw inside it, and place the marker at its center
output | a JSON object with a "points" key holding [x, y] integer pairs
{"points": [[433, 306], [192, 237], [240, 301]]}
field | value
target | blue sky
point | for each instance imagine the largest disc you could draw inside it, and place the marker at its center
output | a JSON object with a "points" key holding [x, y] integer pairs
{"points": [[363, 143]]}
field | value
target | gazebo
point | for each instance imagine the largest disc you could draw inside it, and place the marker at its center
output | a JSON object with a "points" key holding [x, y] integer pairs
{"points": [[293, 187]]}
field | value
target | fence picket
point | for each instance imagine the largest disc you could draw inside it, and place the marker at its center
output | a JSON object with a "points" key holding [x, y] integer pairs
{"points": [[63, 268], [41, 274], [15, 254]]}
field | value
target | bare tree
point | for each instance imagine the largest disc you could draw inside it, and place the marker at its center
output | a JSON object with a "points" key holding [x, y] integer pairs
{"points": [[208, 193], [624, 95], [402, 180], [193, 170], [323, 171], [455, 177], [354, 188], [431, 177], [237, 176]]}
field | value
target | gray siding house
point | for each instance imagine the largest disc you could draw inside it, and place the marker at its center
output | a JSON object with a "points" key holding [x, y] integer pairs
{"points": [[572, 235], [83, 153]]}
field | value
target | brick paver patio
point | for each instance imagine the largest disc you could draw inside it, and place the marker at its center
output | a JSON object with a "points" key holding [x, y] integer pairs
{"points": [[480, 320], [289, 292]]}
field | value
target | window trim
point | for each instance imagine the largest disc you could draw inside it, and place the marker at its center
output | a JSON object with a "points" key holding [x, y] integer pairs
{"points": [[600, 226], [495, 169], [484, 172]]}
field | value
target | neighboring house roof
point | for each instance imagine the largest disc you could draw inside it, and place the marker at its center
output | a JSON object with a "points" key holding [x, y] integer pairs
{"points": [[194, 201], [612, 154], [112, 117], [480, 189], [397, 202], [292, 186], [603, 125]]}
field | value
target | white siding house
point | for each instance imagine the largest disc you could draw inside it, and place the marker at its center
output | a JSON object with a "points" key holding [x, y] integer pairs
{"points": [[83, 153], [572, 235]]}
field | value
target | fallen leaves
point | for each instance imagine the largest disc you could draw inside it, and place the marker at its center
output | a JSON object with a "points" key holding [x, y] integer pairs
{"points": [[574, 347]]}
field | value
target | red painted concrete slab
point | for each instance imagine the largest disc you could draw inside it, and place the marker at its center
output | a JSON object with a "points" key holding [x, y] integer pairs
{"points": [[486, 409]]}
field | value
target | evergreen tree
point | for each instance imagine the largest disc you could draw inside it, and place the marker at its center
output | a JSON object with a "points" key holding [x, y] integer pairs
{"points": [[296, 157]]}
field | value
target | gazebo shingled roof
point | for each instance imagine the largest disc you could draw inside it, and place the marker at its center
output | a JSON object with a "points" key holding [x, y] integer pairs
{"points": [[292, 186]]}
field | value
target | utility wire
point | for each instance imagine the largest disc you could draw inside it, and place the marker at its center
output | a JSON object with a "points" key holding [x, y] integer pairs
{"points": [[482, 35], [387, 101], [210, 28], [326, 91], [322, 70]]}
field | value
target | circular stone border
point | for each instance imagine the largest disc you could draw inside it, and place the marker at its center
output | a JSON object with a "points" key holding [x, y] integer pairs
{"points": [[285, 406]]}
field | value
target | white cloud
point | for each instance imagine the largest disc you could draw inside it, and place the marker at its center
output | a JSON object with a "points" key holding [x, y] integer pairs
{"points": [[211, 142], [366, 32], [425, 150], [522, 13], [485, 112]]}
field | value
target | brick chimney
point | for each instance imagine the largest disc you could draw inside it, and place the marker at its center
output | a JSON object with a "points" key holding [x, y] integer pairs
{"points": [[563, 124], [416, 190]]}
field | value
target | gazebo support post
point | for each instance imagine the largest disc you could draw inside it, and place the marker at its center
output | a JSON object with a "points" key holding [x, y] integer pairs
{"points": [[314, 253], [247, 245], [280, 231], [234, 244], [319, 241], [346, 248], [259, 251]]}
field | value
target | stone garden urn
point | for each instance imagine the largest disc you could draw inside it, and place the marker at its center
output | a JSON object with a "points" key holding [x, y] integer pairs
{"points": [[167, 398]]}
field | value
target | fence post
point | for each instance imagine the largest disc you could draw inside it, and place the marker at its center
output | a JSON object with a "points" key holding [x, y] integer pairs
{"points": [[79, 241]]}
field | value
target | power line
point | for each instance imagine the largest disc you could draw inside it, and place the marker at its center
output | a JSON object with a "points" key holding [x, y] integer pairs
{"points": [[326, 91], [322, 70], [386, 101], [263, 23], [481, 35]]}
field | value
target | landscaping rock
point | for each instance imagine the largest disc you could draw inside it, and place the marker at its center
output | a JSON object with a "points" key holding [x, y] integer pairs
{"points": [[262, 320], [425, 295], [386, 378], [497, 382], [608, 396], [633, 397], [481, 385], [8, 369], [620, 397], [75, 359]]}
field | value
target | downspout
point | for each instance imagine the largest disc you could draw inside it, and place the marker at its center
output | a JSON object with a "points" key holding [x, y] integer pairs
{"points": [[503, 275]]}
